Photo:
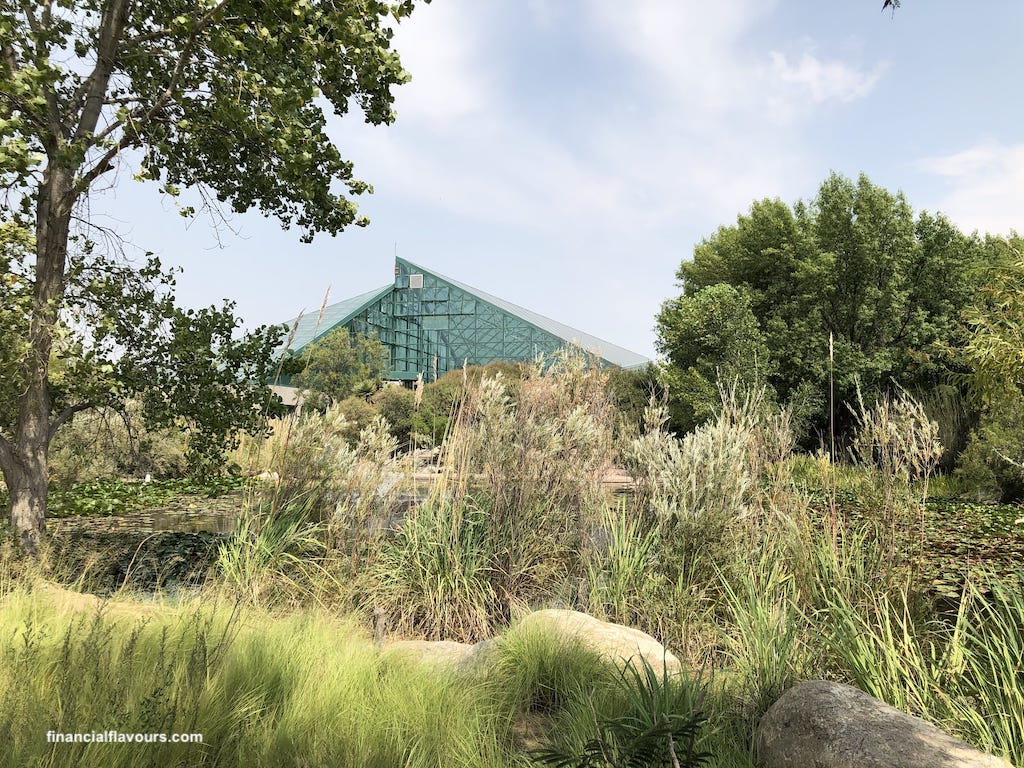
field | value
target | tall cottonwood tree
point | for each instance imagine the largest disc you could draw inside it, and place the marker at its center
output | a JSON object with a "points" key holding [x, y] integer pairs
{"points": [[853, 270], [227, 95]]}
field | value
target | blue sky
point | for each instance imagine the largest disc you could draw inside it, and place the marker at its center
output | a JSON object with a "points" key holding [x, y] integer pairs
{"points": [[567, 155]]}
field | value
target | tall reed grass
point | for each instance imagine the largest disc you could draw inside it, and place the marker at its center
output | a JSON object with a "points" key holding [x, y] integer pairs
{"points": [[270, 690], [963, 673], [517, 501], [719, 553]]}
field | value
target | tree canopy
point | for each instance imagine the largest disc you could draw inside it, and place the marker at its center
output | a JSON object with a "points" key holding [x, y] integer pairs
{"points": [[230, 96], [340, 365], [853, 268], [120, 335], [994, 345], [709, 337]]}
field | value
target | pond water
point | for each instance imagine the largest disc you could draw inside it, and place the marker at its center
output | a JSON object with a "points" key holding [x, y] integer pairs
{"points": [[185, 515], [150, 521]]}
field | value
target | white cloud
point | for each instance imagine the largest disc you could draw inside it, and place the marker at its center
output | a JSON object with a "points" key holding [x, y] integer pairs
{"points": [[824, 80], [692, 122], [440, 45], [983, 186], [690, 50]]}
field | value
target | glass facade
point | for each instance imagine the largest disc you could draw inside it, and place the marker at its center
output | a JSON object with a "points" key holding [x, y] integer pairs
{"points": [[431, 326]]}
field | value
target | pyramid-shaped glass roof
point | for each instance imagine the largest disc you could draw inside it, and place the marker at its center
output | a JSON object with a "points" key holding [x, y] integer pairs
{"points": [[432, 324]]}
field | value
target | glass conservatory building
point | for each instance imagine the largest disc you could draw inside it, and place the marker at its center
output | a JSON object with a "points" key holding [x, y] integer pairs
{"points": [[432, 324]]}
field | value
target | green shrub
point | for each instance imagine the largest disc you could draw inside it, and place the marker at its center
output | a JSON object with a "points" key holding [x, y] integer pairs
{"points": [[697, 488], [897, 445], [990, 467], [108, 443], [359, 413], [397, 405], [339, 365], [310, 460], [433, 577]]}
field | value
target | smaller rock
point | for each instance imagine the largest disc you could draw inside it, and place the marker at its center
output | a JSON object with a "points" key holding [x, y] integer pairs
{"points": [[831, 725], [463, 658], [431, 651], [615, 642]]}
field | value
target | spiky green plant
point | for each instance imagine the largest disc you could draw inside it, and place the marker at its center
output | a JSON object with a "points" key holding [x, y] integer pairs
{"points": [[432, 577], [657, 722]]}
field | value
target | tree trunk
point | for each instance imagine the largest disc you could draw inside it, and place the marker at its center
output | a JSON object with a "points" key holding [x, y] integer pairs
{"points": [[27, 484], [26, 468]]}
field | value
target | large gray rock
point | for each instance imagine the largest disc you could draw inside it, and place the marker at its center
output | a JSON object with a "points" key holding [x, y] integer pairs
{"points": [[618, 644], [615, 642], [821, 724]]}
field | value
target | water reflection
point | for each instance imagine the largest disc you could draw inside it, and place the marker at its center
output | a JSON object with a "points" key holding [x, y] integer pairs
{"points": [[150, 521]]}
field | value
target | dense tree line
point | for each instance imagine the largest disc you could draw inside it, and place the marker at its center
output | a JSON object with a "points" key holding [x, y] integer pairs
{"points": [[850, 290], [852, 294]]}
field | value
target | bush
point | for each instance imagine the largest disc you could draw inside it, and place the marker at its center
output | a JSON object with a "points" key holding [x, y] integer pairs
{"points": [[697, 489], [359, 413], [312, 464], [992, 465], [518, 498], [433, 577], [108, 443], [533, 456], [397, 405], [897, 445]]}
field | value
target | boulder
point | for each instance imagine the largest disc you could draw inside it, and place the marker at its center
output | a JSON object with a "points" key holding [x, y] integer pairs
{"points": [[822, 724], [461, 658], [615, 642], [446, 652]]}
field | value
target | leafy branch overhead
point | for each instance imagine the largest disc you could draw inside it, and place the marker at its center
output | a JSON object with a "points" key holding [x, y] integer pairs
{"points": [[121, 334], [227, 94]]}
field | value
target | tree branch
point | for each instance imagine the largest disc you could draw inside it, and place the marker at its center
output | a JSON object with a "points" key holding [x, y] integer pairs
{"points": [[147, 38], [112, 23], [114, 125], [77, 101], [54, 127], [63, 416], [139, 123], [10, 59]]}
